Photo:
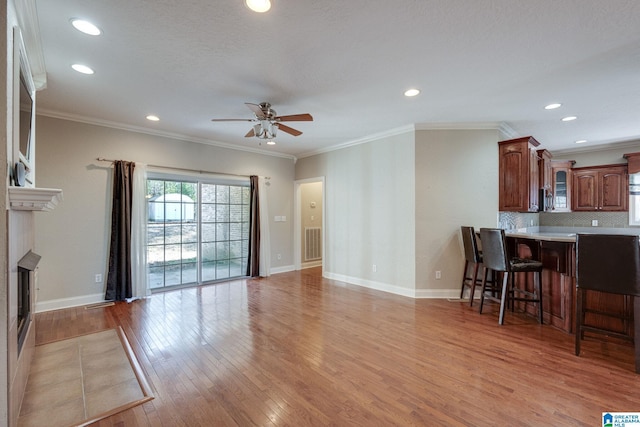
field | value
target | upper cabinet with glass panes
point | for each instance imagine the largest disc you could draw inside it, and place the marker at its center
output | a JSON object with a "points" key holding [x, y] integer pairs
{"points": [[561, 185]]}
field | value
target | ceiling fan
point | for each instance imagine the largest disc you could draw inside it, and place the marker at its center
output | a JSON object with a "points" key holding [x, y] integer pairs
{"points": [[267, 122]]}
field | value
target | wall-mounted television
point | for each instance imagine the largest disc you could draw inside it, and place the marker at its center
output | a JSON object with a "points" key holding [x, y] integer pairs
{"points": [[24, 117]]}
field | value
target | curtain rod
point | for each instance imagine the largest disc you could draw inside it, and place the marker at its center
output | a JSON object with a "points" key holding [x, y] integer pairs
{"points": [[101, 159]]}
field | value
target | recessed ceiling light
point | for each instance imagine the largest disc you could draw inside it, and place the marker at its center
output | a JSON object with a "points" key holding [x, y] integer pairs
{"points": [[82, 69], [581, 141], [259, 6], [411, 92], [271, 143], [552, 106], [153, 118], [568, 118], [85, 27]]}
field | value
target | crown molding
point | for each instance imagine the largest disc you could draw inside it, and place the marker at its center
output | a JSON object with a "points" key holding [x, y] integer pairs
{"points": [[502, 127], [366, 139], [600, 147], [27, 14], [153, 132]]}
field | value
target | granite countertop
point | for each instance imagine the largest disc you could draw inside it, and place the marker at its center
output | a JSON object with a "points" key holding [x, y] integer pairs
{"points": [[565, 234]]}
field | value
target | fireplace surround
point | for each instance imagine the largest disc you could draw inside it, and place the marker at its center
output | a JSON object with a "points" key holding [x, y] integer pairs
{"points": [[21, 297], [26, 283]]}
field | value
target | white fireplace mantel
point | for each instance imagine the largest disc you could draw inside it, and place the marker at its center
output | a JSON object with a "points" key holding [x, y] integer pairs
{"points": [[34, 199]]}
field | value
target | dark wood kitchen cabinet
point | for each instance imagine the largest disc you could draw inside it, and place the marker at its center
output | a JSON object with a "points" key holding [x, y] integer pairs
{"points": [[518, 175], [600, 188]]}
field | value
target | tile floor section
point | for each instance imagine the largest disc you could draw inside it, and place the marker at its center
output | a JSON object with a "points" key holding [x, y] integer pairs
{"points": [[78, 379]]}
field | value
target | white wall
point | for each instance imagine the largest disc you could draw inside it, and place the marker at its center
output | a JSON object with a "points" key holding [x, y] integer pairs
{"points": [[369, 212], [456, 184], [399, 202], [74, 238]]}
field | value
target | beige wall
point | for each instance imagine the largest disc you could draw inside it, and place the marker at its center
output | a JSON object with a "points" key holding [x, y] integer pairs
{"points": [[456, 184], [399, 202], [73, 239], [369, 205]]}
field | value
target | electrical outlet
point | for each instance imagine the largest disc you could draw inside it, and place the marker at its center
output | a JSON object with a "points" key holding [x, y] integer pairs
{"points": [[438, 274], [594, 222], [279, 256], [98, 278], [374, 268]]}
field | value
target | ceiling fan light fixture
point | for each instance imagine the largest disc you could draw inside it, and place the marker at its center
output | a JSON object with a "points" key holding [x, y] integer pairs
{"points": [[259, 6]]}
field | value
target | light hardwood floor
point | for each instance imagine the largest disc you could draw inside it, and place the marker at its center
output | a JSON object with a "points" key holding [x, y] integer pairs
{"points": [[299, 350]]}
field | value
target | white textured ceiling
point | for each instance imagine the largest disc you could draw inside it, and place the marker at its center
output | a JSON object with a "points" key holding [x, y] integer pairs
{"points": [[347, 63]]}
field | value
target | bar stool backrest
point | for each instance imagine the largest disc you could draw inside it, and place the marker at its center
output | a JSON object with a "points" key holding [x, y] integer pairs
{"points": [[470, 244], [494, 249], [608, 263]]}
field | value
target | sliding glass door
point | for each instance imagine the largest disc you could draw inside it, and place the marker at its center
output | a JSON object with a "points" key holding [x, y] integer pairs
{"points": [[198, 231], [225, 231]]}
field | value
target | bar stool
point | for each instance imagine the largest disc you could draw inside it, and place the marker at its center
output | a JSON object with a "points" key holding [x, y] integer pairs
{"points": [[495, 257], [472, 256], [608, 263]]}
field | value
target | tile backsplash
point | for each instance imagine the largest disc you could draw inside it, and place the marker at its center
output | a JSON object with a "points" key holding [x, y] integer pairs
{"points": [[513, 220], [583, 219]]}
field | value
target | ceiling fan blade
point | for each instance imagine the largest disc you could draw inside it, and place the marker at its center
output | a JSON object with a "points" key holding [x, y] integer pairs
{"points": [[289, 130], [232, 120], [306, 117], [257, 110], [250, 134]]}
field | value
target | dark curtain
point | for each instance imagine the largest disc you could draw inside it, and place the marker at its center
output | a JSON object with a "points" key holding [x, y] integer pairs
{"points": [[253, 264], [119, 286]]}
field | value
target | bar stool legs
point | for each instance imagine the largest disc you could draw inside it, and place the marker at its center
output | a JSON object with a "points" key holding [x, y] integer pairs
{"points": [[535, 296], [472, 256], [495, 257]]}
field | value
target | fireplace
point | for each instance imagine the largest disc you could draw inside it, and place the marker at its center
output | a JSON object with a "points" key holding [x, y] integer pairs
{"points": [[26, 278]]}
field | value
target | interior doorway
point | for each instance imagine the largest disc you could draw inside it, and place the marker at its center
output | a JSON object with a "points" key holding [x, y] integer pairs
{"points": [[309, 248]]}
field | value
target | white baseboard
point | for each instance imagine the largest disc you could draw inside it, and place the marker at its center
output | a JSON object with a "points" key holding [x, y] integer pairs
{"points": [[311, 264], [437, 293], [61, 303], [283, 269], [397, 290]]}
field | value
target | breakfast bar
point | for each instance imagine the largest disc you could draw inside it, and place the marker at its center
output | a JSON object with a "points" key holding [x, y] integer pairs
{"points": [[555, 247]]}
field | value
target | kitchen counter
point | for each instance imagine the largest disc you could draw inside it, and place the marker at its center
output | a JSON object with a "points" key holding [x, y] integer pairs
{"points": [[555, 247], [565, 234]]}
